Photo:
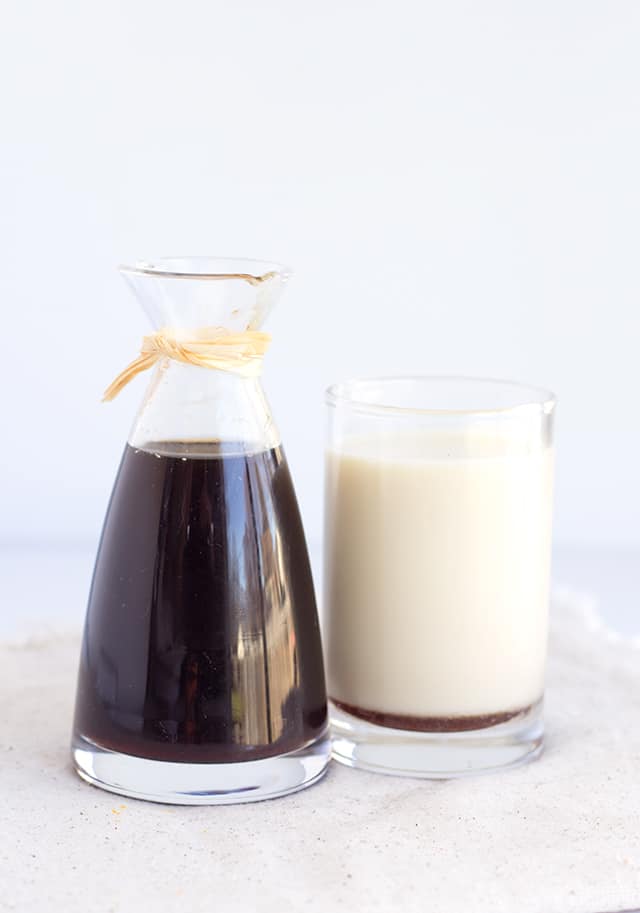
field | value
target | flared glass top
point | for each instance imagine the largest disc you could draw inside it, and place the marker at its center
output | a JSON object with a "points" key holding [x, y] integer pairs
{"points": [[187, 404], [192, 292]]}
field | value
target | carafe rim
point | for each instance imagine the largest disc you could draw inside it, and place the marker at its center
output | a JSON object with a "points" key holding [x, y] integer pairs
{"points": [[207, 267]]}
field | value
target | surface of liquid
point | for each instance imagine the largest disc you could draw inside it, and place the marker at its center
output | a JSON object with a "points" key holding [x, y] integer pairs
{"points": [[437, 577], [201, 642]]}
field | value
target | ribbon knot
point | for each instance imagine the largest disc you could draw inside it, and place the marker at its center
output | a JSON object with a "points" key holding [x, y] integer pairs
{"points": [[206, 347]]}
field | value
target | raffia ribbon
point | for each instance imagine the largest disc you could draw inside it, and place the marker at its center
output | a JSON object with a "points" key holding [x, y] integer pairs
{"points": [[206, 347]]}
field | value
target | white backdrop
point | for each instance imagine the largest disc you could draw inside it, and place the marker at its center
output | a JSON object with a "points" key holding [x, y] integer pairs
{"points": [[455, 184]]}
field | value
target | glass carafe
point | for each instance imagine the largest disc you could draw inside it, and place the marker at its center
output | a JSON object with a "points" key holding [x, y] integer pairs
{"points": [[201, 676]]}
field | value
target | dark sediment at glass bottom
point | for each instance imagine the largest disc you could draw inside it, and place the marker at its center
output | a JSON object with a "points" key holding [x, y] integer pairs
{"points": [[201, 642], [430, 723]]}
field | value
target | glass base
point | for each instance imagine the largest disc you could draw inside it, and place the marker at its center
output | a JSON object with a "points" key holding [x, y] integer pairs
{"points": [[201, 784], [436, 755]]}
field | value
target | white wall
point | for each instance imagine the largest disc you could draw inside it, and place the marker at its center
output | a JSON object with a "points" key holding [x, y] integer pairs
{"points": [[455, 183]]}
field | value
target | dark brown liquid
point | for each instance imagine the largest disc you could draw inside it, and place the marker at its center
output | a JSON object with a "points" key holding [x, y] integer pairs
{"points": [[202, 642], [430, 723]]}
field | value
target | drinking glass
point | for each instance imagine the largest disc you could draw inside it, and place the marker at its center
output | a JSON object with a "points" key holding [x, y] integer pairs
{"points": [[436, 583]]}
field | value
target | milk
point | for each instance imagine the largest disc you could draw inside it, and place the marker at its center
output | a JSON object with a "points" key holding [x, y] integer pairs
{"points": [[437, 554]]}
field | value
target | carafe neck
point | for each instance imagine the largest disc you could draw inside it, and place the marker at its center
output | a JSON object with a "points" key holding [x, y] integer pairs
{"points": [[187, 404]]}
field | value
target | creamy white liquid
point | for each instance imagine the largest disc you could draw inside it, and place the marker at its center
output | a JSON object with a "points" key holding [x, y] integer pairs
{"points": [[437, 572]]}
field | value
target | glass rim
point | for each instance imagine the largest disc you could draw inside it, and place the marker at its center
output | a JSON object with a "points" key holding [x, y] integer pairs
{"points": [[207, 267], [344, 393]]}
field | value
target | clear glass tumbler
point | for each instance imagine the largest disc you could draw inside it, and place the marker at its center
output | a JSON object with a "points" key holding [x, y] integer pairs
{"points": [[437, 559]]}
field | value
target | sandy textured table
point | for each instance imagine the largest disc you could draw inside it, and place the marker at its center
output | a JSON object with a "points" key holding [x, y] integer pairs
{"points": [[559, 835]]}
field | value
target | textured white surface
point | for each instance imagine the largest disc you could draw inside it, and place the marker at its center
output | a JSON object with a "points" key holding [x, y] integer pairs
{"points": [[559, 835]]}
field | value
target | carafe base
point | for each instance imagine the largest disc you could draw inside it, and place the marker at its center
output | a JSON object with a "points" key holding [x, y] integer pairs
{"points": [[201, 784]]}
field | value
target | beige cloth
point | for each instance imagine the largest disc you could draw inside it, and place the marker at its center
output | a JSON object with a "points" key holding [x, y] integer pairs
{"points": [[558, 836]]}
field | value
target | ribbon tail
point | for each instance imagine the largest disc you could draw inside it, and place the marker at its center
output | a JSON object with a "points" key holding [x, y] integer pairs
{"points": [[141, 363]]}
